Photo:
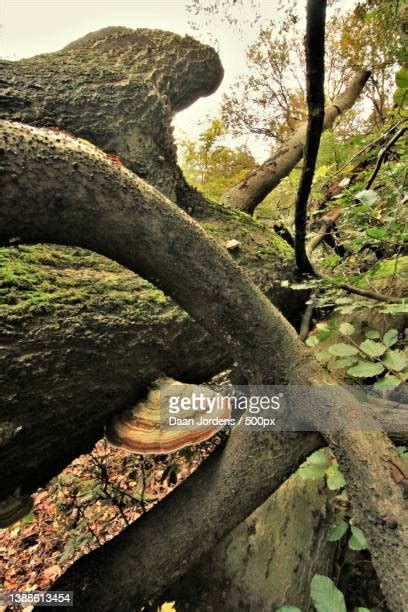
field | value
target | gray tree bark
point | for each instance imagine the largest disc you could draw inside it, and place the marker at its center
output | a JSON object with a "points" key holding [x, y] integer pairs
{"points": [[269, 560], [108, 210], [118, 88], [250, 192]]}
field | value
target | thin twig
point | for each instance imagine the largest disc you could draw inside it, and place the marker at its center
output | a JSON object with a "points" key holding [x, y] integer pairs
{"points": [[81, 513], [106, 483], [372, 295], [382, 155], [142, 499], [363, 150]]}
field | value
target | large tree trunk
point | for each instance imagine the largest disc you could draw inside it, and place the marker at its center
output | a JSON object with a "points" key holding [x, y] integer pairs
{"points": [[108, 210], [255, 187], [68, 310]]}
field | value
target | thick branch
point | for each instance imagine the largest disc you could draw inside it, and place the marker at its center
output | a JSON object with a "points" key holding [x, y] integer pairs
{"points": [[118, 88], [393, 418], [79, 197], [314, 50], [255, 187]]}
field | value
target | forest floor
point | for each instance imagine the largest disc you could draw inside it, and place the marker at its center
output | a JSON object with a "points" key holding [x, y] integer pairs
{"points": [[90, 502]]}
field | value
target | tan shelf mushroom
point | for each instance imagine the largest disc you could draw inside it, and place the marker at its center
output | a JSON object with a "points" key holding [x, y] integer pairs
{"points": [[157, 426]]}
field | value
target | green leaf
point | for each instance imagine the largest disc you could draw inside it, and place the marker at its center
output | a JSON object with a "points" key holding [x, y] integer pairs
{"points": [[326, 596], [390, 337], [347, 329], [368, 196], [28, 518], [343, 362], [323, 334], [401, 77], [335, 479], [366, 369], [332, 260], [323, 356], [395, 308], [376, 232], [374, 349], [395, 360], [363, 208], [337, 530], [403, 453], [373, 334], [401, 96], [315, 466], [388, 383], [290, 609], [357, 540], [319, 457], [312, 341], [321, 171], [312, 472], [363, 610], [343, 350]]}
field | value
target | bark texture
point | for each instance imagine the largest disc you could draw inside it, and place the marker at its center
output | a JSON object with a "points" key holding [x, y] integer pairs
{"points": [[118, 88], [255, 187], [108, 210], [269, 560], [314, 51], [69, 310]]}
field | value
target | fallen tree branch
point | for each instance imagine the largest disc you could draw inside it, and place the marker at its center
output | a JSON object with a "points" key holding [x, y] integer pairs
{"points": [[314, 50], [163, 544], [372, 295], [81, 198], [255, 187]]}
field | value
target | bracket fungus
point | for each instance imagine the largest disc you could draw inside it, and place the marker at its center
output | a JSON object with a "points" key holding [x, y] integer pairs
{"points": [[173, 415]]}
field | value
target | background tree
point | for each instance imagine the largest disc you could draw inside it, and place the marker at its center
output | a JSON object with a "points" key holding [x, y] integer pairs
{"points": [[369, 36], [210, 165], [269, 99]]}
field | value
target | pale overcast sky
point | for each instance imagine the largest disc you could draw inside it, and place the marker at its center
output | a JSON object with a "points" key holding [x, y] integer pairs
{"points": [[32, 27]]}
